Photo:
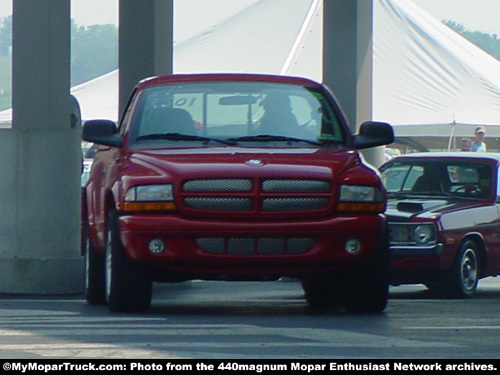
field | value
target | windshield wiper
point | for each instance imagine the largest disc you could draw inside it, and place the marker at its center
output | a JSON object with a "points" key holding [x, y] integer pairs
{"points": [[397, 195], [268, 137], [184, 137], [405, 195]]}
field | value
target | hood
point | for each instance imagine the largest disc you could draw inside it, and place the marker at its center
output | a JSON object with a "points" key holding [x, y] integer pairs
{"points": [[236, 161], [407, 208]]}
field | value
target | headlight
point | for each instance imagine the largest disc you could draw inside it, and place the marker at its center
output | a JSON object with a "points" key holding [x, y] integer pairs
{"points": [[412, 234], [353, 193], [423, 234], [144, 193], [150, 198], [355, 198]]}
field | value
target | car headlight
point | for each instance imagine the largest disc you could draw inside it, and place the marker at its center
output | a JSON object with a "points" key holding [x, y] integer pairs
{"points": [[356, 198], [412, 234], [150, 198], [423, 234]]}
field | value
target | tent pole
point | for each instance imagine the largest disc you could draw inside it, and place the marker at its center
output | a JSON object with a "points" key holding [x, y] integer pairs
{"points": [[452, 134], [306, 25]]}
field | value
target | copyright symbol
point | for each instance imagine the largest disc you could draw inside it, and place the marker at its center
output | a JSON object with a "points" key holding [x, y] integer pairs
{"points": [[7, 366]]}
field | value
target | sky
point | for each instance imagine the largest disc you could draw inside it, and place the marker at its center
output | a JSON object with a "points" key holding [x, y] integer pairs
{"points": [[474, 15]]}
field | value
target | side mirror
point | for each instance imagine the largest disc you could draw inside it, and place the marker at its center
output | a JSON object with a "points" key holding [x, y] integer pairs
{"points": [[372, 134], [103, 132]]}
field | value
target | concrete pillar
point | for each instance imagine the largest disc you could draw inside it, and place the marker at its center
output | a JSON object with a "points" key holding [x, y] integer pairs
{"points": [[146, 42], [347, 61], [40, 159]]}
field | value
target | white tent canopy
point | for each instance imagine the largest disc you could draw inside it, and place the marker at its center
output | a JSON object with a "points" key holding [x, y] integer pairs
{"points": [[427, 78], [98, 98]]}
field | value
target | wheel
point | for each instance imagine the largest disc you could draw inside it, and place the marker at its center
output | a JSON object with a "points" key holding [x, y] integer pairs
{"points": [[367, 290], [128, 285], [367, 286], [462, 279], [435, 287], [322, 293], [94, 274]]}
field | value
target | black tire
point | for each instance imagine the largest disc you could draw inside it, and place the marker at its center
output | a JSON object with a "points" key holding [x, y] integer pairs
{"points": [[367, 287], [322, 293], [435, 287], [95, 285], [462, 279], [128, 285]]}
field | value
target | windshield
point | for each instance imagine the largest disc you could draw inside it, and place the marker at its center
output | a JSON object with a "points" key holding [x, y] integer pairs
{"points": [[235, 112], [450, 178]]}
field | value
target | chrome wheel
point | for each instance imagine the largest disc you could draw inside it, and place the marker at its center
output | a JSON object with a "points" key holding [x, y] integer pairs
{"points": [[462, 278], [469, 270]]}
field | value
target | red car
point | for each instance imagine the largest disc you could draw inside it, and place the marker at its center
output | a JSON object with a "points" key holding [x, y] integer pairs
{"points": [[444, 218], [234, 177]]}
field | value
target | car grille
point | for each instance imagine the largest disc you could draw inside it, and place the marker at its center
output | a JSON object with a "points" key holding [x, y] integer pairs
{"points": [[252, 246], [255, 195]]}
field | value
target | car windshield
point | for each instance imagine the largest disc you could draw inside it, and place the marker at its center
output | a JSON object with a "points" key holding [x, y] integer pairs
{"points": [[234, 113], [467, 180]]}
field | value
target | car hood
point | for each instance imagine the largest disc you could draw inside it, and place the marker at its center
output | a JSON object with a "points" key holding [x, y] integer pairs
{"points": [[407, 208], [324, 163]]}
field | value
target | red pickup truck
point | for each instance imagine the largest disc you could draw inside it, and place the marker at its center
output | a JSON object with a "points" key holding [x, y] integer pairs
{"points": [[234, 177]]}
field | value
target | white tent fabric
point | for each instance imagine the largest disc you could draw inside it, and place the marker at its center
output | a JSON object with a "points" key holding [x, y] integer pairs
{"points": [[98, 98], [270, 36], [428, 80]]}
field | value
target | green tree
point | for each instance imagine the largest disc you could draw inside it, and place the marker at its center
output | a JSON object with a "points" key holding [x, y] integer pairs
{"points": [[94, 51], [5, 35], [5, 62], [487, 42]]}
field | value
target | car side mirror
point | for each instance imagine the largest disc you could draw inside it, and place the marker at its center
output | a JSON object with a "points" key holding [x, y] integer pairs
{"points": [[372, 134], [102, 132]]}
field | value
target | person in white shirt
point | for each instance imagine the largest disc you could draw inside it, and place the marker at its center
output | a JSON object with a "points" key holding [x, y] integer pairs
{"points": [[478, 144]]}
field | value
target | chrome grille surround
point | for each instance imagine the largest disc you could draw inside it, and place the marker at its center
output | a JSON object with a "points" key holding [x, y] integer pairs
{"points": [[252, 196], [255, 246]]}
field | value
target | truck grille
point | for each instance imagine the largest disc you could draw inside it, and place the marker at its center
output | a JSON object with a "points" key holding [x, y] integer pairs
{"points": [[256, 195], [220, 185], [297, 204], [219, 203], [296, 186], [251, 246]]}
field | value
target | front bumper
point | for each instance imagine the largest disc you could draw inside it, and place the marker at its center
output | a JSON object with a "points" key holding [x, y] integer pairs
{"points": [[398, 251], [416, 265], [206, 247]]}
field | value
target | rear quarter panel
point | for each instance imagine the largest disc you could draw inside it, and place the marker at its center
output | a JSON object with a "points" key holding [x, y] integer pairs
{"points": [[481, 223]]}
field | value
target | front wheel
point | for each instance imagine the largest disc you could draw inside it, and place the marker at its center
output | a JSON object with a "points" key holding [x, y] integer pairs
{"points": [[322, 292], [367, 289], [128, 285], [367, 286], [462, 279], [94, 274]]}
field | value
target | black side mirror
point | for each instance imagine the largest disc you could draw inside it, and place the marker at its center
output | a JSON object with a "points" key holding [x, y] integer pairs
{"points": [[102, 132], [372, 134]]}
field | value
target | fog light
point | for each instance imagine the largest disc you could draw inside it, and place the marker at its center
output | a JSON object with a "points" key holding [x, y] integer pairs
{"points": [[156, 246], [353, 246]]}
